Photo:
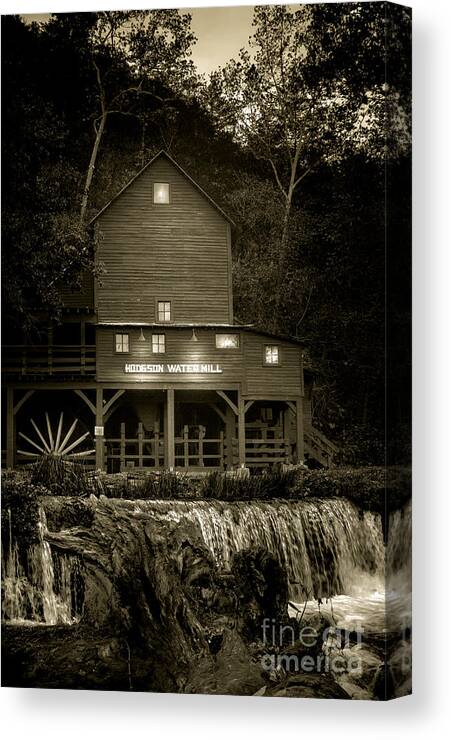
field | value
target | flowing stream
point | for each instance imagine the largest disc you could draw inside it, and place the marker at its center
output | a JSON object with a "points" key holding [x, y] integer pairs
{"points": [[39, 586], [328, 548]]}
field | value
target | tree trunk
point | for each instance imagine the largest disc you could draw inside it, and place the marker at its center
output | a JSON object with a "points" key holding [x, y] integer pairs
{"points": [[91, 167]]}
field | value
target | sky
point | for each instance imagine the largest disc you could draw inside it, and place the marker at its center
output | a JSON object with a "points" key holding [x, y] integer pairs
{"points": [[221, 33]]}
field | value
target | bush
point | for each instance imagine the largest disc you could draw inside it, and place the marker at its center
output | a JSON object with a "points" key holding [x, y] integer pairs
{"points": [[20, 509], [62, 478], [272, 484], [374, 488]]}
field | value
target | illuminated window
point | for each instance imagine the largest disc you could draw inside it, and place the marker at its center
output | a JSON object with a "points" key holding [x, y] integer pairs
{"points": [[122, 343], [161, 192], [164, 310], [227, 341], [158, 343], [271, 354]]}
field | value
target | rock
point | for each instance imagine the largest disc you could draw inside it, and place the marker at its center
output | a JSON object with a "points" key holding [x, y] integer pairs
{"points": [[308, 686]]}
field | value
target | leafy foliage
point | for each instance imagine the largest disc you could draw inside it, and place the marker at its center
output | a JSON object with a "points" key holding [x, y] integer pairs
{"points": [[62, 478], [20, 509]]}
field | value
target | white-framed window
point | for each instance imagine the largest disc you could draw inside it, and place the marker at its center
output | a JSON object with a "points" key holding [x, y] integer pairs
{"points": [[161, 192], [164, 312], [122, 343], [227, 341], [159, 343], [272, 354]]}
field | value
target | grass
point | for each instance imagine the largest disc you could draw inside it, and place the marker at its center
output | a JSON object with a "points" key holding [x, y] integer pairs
{"points": [[369, 488]]}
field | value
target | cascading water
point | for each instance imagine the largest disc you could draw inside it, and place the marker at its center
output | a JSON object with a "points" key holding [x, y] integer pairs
{"points": [[327, 547], [38, 586], [324, 545]]}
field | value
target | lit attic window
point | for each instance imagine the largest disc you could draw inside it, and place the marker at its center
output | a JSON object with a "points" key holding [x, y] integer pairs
{"points": [[161, 192], [227, 341]]}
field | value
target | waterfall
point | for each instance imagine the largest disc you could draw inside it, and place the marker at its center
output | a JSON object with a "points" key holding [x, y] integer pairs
{"points": [[324, 545], [39, 586]]}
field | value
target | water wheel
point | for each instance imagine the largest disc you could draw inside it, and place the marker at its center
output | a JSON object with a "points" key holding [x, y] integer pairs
{"points": [[52, 442]]}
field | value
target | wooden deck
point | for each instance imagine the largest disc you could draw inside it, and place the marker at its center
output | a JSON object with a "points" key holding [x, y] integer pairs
{"points": [[49, 361]]}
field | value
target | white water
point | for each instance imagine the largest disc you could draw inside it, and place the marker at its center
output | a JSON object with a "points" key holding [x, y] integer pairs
{"points": [[323, 544], [327, 547], [31, 591]]}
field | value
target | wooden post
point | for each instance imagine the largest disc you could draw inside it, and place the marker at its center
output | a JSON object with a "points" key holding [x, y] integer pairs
{"points": [[140, 444], [122, 448], [10, 428], [299, 431], [170, 443], [100, 441], [221, 450], [286, 435], [202, 431], [241, 433], [230, 434], [156, 429], [82, 346], [185, 446]]}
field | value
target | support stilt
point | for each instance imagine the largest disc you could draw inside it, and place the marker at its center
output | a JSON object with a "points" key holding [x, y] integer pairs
{"points": [[169, 432], [100, 440]]}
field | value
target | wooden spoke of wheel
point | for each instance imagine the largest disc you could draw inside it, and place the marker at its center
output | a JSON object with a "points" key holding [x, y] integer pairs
{"points": [[60, 429], [64, 451], [40, 435], [30, 441], [54, 445], [68, 436]]}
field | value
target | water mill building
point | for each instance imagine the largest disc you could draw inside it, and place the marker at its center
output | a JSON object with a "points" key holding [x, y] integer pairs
{"points": [[148, 368]]}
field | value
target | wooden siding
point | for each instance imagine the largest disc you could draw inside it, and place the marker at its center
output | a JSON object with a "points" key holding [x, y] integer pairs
{"points": [[178, 252], [243, 366], [279, 380]]}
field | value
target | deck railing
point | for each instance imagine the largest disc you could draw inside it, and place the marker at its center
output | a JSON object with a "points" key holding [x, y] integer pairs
{"points": [[49, 360], [146, 450], [199, 451]]}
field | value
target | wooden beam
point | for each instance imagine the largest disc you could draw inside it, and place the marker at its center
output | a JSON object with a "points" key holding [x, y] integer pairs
{"points": [[112, 400], [100, 440], [85, 398], [299, 431], [170, 431], [216, 408], [291, 406], [228, 401], [241, 433], [20, 403], [230, 435], [247, 406], [10, 428]]}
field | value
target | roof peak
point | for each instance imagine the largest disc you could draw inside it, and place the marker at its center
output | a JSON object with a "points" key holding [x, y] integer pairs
{"points": [[163, 153]]}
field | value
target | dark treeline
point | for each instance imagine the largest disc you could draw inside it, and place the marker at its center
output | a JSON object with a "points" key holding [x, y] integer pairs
{"points": [[292, 139]]}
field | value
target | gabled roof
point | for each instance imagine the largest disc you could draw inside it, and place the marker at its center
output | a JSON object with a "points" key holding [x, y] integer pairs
{"points": [[162, 153]]}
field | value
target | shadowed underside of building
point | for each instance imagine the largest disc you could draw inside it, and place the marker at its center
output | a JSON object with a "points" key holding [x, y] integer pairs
{"points": [[148, 368]]}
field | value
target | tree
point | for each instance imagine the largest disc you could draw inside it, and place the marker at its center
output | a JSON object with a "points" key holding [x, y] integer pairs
{"points": [[40, 233], [133, 53], [286, 102]]}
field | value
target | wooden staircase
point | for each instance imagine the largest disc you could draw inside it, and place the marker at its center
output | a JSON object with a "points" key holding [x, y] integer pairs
{"points": [[319, 448]]}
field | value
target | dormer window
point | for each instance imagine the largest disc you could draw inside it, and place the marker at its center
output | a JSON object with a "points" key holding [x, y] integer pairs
{"points": [[161, 192], [164, 312]]}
